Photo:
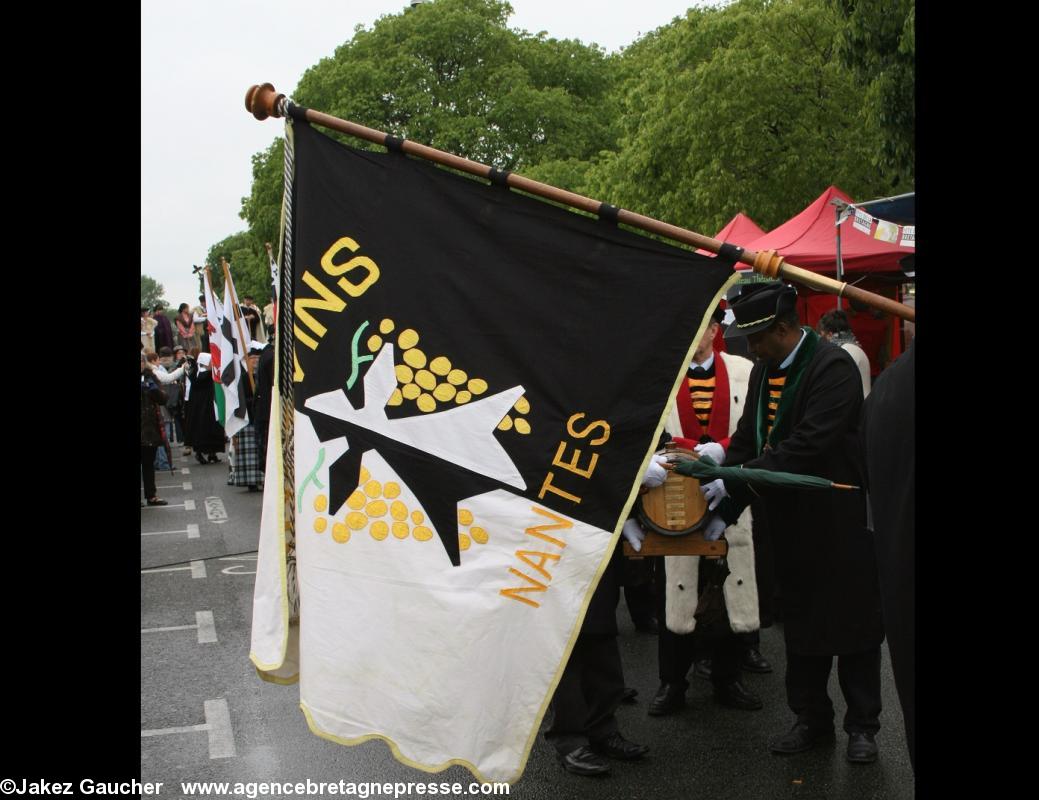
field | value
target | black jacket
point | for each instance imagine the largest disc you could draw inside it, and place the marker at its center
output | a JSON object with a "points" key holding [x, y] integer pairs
{"points": [[824, 556]]}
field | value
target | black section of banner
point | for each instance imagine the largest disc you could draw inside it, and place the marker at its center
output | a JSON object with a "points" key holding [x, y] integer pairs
{"points": [[593, 321]]}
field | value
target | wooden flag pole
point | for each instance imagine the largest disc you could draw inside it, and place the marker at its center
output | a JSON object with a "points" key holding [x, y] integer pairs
{"points": [[263, 101], [229, 287]]}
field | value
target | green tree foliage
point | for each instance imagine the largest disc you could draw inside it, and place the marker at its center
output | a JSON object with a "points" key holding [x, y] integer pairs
{"points": [[751, 106], [151, 292], [451, 74], [740, 108], [247, 260], [878, 41]]}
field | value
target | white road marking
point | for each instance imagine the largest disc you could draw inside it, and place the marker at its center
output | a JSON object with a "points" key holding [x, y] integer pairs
{"points": [[215, 510], [217, 725], [203, 624], [197, 568]]}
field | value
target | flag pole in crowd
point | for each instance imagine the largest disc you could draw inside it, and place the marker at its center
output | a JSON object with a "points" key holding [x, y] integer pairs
{"points": [[238, 320], [213, 325], [263, 101]]}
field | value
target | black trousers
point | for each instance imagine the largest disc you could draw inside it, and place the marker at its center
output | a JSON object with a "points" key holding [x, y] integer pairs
{"points": [[859, 676], [587, 695], [148, 469], [676, 652]]}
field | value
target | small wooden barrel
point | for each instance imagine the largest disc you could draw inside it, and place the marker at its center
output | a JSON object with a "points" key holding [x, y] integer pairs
{"points": [[677, 506]]}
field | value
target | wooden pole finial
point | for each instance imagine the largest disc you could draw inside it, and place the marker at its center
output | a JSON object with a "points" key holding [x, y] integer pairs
{"points": [[262, 101]]}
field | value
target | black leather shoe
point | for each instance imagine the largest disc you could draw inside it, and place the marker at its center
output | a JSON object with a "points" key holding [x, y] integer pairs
{"points": [[584, 761], [736, 695], [799, 738], [753, 661], [616, 746], [670, 698], [861, 748], [702, 669], [629, 695]]}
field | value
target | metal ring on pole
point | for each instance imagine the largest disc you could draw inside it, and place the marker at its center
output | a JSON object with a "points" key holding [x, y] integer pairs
{"points": [[608, 213]]}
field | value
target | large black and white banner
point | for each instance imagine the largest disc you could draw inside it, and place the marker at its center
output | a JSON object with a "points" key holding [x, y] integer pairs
{"points": [[480, 378]]}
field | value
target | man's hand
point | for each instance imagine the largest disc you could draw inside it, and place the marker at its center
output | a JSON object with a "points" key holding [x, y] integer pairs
{"points": [[655, 473], [712, 450], [714, 529], [714, 492], [633, 532]]}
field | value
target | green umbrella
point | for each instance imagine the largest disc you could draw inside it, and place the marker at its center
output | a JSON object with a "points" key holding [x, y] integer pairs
{"points": [[706, 469]]}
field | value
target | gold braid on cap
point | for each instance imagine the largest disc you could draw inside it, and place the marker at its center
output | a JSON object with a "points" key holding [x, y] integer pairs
{"points": [[767, 262]]}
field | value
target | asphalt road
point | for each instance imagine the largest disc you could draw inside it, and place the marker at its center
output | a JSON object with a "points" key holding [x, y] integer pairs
{"points": [[206, 716]]}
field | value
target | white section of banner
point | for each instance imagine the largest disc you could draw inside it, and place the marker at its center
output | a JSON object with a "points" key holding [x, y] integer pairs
{"points": [[908, 237], [398, 643], [270, 594], [863, 221]]}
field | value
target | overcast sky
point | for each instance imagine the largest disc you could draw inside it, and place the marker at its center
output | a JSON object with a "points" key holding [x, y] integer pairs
{"points": [[198, 57]]}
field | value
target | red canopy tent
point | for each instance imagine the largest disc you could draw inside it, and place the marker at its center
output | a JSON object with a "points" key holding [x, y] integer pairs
{"points": [[809, 240]]}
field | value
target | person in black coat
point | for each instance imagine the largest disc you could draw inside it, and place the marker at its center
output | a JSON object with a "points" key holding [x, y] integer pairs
{"points": [[889, 450], [262, 402], [584, 729], [152, 397], [205, 432], [801, 415]]}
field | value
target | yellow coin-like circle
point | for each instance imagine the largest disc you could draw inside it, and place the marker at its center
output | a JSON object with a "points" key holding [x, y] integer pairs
{"points": [[479, 535], [505, 424], [440, 365], [376, 508], [463, 397], [365, 474], [373, 489], [418, 517], [374, 342], [426, 403], [320, 524], [522, 405], [320, 503], [423, 534], [477, 386], [403, 373], [356, 520], [398, 510], [463, 542], [456, 377], [408, 338], [391, 490], [415, 358], [401, 530], [465, 517], [522, 426], [386, 326], [396, 398], [357, 500], [411, 391], [444, 392], [340, 532], [426, 379], [379, 530]]}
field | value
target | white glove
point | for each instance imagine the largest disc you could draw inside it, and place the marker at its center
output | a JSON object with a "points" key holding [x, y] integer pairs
{"points": [[714, 492], [655, 473], [633, 532], [712, 450], [714, 529]]}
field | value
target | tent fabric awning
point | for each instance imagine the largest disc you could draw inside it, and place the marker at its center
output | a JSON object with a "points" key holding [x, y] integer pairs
{"points": [[809, 240]]}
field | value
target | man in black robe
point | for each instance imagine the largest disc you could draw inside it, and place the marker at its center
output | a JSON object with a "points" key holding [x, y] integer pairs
{"points": [[889, 449], [801, 415]]}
